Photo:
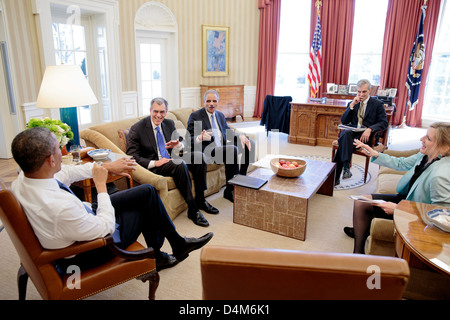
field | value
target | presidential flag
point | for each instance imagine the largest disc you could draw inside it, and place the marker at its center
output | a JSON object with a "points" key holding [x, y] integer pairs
{"points": [[416, 61], [315, 60]]}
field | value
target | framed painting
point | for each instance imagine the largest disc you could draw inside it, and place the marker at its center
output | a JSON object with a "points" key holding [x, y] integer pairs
{"points": [[216, 52]]}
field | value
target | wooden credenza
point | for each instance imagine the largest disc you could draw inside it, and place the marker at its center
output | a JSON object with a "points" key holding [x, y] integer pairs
{"points": [[231, 99], [316, 123]]}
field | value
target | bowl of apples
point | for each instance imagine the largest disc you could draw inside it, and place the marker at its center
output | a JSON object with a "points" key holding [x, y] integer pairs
{"points": [[288, 168]]}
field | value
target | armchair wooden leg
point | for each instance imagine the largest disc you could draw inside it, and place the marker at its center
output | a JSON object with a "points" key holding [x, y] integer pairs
{"points": [[22, 281], [153, 279], [367, 169]]}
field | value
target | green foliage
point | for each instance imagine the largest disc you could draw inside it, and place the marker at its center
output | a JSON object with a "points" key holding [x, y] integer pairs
{"points": [[60, 129]]}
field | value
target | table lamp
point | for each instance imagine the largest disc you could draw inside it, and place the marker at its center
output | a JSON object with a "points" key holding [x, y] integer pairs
{"points": [[65, 87]]}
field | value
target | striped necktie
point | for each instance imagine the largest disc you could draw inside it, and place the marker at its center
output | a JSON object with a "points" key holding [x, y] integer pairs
{"points": [[116, 234], [361, 113]]}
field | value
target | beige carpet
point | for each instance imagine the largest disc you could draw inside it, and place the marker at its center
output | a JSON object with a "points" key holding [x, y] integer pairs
{"points": [[326, 219]]}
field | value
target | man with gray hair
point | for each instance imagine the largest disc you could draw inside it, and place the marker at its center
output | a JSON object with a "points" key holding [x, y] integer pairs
{"points": [[209, 132], [154, 142], [368, 116]]}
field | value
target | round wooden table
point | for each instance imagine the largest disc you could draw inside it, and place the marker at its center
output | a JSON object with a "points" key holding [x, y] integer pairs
{"points": [[420, 244]]}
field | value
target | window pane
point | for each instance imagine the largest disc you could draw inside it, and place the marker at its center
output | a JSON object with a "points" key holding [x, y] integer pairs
{"points": [[437, 95], [67, 57], [79, 42], [293, 49], [156, 71], [55, 36], [367, 44], [145, 53], [156, 52], [146, 71], [146, 89], [157, 89], [66, 39]]}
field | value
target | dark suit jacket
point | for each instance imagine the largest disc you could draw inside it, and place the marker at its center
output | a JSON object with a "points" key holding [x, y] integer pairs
{"points": [[375, 117], [201, 117], [141, 141]]}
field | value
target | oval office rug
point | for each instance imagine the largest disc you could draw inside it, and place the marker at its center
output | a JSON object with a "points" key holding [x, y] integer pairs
{"points": [[357, 179]]}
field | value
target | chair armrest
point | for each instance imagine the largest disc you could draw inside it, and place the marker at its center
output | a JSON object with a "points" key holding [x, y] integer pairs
{"points": [[130, 255], [382, 229], [76, 248], [80, 247]]}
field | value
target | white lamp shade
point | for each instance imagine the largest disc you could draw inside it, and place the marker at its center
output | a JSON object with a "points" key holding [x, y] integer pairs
{"points": [[65, 86]]}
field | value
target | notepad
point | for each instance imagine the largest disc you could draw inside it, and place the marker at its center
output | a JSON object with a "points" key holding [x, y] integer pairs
{"points": [[248, 182]]}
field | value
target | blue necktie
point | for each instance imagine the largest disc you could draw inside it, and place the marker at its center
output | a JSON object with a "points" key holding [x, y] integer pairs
{"points": [[161, 144], [215, 132], [116, 234]]}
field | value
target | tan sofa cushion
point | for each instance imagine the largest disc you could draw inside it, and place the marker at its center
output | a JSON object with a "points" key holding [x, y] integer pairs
{"points": [[183, 114], [123, 134], [109, 130]]}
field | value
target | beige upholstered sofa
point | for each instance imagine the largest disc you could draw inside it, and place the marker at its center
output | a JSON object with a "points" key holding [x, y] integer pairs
{"points": [[112, 136], [382, 233]]}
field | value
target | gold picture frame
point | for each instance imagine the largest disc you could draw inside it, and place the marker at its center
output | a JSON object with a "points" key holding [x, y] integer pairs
{"points": [[216, 51]]}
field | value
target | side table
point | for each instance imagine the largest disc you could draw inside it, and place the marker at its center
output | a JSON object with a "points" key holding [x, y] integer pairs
{"points": [[88, 184]]}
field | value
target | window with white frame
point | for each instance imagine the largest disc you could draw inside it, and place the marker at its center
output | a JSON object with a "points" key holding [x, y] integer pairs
{"points": [[368, 38], [83, 33], [70, 49], [437, 95], [293, 50]]}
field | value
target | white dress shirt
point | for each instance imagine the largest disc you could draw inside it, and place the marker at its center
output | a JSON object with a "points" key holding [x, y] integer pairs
{"points": [[59, 218], [199, 138], [177, 149]]}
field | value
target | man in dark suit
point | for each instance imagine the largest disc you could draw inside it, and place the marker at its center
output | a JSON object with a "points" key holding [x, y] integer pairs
{"points": [[363, 112], [209, 132], [154, 142]]}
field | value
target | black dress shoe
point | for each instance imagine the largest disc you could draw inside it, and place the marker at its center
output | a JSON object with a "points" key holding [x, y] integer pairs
{"points": [[350, 232], [181, 252], [337, 182], [347, 174], [207, 207], [229, 195], [165, 261], [198, 218]]}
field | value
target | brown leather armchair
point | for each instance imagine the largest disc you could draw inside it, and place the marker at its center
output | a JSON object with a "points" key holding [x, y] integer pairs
{"points": [[230, 273], [37, 262]]}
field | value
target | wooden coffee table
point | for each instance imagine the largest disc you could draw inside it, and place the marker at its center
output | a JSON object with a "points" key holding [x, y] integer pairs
{"points": [[281, 205]]}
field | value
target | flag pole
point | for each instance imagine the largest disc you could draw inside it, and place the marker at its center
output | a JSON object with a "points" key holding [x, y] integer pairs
{"points": [[416, 62], [403, 125]]}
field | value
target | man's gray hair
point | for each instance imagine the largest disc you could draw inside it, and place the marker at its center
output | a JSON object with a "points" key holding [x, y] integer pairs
{"points": [[211, 91], [159, 101], [363, 82]]}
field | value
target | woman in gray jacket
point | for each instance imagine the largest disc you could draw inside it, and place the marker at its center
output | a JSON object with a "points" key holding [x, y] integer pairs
{"points": [[427, 180]]}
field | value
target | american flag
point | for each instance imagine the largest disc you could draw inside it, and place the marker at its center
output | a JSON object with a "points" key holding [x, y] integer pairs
{"points": [[315, 56], [416, 63]]}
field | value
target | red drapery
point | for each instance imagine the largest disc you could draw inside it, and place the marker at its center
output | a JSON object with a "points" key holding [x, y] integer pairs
{"points": [[337, 19], [401, 28], [269, 30]]}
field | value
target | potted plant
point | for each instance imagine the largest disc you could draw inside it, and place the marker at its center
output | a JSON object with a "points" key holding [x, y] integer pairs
{"points": [[61, 130]]}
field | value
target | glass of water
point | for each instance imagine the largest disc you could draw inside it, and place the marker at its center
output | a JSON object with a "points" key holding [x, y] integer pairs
{"points": [[75, 151]]}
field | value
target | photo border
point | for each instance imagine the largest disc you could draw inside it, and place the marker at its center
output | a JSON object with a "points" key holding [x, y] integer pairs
{"points": [[206, 73]]}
